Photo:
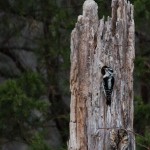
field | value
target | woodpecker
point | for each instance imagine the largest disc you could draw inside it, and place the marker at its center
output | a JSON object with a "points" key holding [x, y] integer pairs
{"points": [[108, 82]]}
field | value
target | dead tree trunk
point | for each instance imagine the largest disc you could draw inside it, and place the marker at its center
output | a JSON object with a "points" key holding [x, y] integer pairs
{"points": [[95, 43]]}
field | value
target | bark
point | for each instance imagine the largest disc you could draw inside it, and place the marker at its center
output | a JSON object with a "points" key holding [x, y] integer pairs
{"points": [[95, 43]]}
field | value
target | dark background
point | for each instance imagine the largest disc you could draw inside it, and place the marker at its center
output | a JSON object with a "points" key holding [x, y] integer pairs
{"points": [[35, 67]]}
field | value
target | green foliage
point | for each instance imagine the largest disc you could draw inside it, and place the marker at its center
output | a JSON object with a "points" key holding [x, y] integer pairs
{"points": [[18, 107], [142, 9], [142, 113], [140, 63], [143, 142], [38, 143], [32, 84], [142, 17], [141, 122]]}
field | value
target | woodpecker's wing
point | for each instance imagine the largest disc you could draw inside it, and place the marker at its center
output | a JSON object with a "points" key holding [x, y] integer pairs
{"points": [[108, 83], [108, 87]]}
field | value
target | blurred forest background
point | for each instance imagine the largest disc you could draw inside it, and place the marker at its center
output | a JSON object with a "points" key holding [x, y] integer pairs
{"points": [[35, 67]]}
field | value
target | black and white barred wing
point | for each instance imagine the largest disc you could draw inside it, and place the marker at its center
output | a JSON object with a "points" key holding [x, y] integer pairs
{"points": [[108, 84]]}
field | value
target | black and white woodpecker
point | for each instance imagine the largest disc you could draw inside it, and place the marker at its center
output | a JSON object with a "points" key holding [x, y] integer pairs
{"points": [[108, 82]]}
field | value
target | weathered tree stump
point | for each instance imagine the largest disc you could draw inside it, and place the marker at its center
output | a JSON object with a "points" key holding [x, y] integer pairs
{"points": [[95, 43]]}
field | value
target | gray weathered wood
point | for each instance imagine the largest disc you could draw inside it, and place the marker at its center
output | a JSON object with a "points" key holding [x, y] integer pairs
{"points": [[95, 43]]}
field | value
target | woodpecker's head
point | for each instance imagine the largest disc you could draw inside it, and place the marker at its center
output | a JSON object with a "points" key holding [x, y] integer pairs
{"points": [[106, 70]]}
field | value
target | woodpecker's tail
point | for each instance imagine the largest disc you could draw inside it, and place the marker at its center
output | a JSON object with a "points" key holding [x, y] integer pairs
{"points": [[108, 100]]}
